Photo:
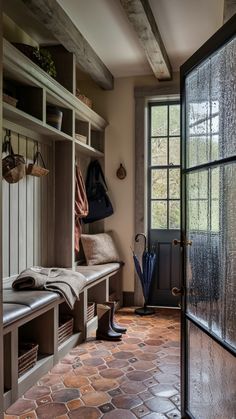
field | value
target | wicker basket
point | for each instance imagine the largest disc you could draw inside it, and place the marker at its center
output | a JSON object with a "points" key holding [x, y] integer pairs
{"points": [[28, 354], [13, 165], [65, 329], [34, 169], [90, 311]]}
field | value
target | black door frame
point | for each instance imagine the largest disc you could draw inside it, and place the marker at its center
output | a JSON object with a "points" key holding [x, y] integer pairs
{"points": [[221, 37]]}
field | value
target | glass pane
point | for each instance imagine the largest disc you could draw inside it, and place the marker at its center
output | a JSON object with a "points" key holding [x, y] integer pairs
{"points": [[215, 203], [174, 183], [174, 124], [159, 214], [159, 184], [228, 246], [159, 151], [203, 215], [159, 120], [174, 150], [198, 112], [211, 378], [174, 215], [211, 260], [210, 108], [215, 147]]}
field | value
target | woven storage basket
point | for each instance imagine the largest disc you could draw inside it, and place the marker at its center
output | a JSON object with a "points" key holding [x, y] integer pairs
{"points": [[90, 311], [13, 165], [28, 354], [65, 329], [34, 169]]}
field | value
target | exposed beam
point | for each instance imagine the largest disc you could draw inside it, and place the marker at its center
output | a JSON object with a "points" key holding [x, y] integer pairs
{"points": [[50, 14], [229, 9], [141, 17]]}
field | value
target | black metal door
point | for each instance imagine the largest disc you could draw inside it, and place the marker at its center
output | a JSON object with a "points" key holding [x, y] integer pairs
{"points": [[208, 81], [164, 199]]}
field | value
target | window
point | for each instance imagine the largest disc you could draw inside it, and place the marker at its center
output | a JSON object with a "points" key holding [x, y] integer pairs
{"points": [[164, 166]]}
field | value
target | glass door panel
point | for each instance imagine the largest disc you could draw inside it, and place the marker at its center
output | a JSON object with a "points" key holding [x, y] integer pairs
{"points": [[212, 378], [209, 226]]}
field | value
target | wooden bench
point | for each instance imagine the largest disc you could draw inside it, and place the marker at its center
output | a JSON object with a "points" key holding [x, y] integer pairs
{"points": [[33, 316]]}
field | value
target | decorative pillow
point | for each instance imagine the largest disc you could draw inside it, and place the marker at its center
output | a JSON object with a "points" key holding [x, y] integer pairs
{"points": [[99, 248]]}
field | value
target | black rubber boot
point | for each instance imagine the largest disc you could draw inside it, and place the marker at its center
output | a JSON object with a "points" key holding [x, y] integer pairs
{"points": [[115, 326], [104, 330]]}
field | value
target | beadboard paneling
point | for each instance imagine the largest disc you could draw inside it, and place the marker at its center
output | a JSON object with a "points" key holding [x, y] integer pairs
{"points": [[28, 213]]}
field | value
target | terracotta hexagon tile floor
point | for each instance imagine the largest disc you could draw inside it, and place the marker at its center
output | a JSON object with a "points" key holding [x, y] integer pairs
{"points": [[135, 378]]}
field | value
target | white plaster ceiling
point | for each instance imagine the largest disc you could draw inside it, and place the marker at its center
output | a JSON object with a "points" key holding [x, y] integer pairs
{"points": [[184, 26]]}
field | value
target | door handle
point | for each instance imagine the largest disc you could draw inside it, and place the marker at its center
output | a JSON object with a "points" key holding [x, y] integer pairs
{"points": [[176, 292], [175, 242]]}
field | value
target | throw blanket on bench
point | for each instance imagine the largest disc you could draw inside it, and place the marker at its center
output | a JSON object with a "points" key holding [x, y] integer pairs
{"points": [[64, 281]]}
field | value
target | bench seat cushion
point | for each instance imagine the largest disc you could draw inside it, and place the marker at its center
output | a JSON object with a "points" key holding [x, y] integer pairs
{"points": [[14, 312], [92, 273], [32, 299]]}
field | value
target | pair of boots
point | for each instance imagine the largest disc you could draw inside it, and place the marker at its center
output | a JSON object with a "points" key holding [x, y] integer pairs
{"points": [[107, 328]]}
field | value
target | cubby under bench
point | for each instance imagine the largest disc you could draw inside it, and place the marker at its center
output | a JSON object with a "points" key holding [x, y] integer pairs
{"points": [[33, 316]]}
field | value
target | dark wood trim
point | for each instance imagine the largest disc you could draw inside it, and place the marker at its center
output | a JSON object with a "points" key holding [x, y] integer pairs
{"points": [[141, 17], [128, 299], [55, 19]]}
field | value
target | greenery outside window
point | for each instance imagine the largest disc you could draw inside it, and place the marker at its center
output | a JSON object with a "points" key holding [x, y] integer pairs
{"points": [[164, 165]]}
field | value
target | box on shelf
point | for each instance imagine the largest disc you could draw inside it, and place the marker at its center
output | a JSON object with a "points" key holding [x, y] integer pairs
{"points": [[81, 138], [27, 358], [65, 329]]}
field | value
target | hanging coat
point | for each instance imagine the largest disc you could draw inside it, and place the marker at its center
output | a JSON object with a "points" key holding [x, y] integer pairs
{"points": [[100, 205], [81, 205]]}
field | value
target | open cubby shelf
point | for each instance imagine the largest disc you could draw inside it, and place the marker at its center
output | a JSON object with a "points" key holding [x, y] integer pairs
{"points": [[35, 90]]}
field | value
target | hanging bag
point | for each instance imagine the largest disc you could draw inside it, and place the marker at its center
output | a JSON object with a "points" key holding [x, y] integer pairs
{"points": [[34, 169], [100, 206], [13, 165]]}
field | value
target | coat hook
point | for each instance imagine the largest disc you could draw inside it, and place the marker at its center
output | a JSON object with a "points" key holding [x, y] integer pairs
{"points": [[121, 172]]}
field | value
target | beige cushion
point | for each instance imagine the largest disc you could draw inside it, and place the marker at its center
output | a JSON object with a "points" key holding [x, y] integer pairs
{"points": [[99, 248]]}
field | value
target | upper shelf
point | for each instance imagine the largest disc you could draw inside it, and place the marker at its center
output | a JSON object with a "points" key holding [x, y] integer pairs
{"points": [[87, 149], [17, 65], [18, 116]]}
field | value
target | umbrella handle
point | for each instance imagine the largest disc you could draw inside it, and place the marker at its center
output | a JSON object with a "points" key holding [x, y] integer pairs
{"points": [[145, 239]]}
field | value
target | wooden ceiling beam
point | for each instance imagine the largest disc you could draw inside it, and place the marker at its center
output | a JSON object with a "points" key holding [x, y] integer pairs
{"points": [[229, 9], [141, 17], [50, 14]]}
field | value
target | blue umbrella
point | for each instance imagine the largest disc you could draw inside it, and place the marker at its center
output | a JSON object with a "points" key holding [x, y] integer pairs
{"points": [[145, 273]]}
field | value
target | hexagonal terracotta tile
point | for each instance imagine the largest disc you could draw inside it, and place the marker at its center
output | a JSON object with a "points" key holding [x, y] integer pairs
{"points": [[20, 407], [51, 410], [95, 398], [75, 381], [85, 412], [104, 384]]}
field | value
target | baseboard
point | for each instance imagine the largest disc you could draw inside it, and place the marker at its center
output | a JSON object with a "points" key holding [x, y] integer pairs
{"points": [[128, 299]]}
